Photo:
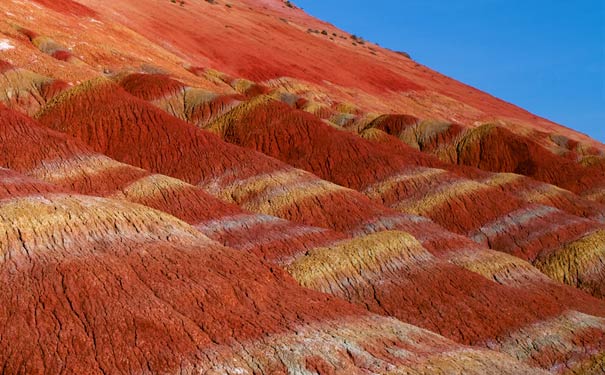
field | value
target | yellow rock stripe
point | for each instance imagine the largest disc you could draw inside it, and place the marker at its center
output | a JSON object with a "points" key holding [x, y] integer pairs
{"points": [[269, 193], [499, 179], [75, 168], [68, 225], [597, 195], [414, 177], [358, 261], [223, 123], [499, 267], [438, 197], [152, 186], [19, 84], [579, 263]]}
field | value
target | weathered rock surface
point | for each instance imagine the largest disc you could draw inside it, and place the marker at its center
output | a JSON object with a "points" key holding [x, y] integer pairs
{"points": [[193, 188]]}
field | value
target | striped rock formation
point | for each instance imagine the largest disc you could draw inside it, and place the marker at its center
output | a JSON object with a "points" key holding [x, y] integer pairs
{"points": [[179, 196], [119, 288]]}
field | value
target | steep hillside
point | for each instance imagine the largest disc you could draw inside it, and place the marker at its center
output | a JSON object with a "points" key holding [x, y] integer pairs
{"points": [[202, 187]]}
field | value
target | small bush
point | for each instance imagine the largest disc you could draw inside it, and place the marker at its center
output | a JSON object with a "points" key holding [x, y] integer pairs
{"points": [[358, 39]]}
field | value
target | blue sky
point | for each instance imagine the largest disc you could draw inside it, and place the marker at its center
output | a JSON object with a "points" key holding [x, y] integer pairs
{"points": [[547, 56]]}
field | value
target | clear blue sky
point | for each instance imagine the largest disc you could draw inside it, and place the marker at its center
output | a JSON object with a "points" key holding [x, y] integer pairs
{"points": [[547, 56]]}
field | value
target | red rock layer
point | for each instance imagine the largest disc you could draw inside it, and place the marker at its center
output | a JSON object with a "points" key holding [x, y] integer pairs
{"points": [[15, 185], [521, 187], [68, 163], [362, 165], [497, 149], [101, 284], [394, 178], [524, 156], [276, 44], [123, 252], [117, 288], [150, 86], [426, 136], [4, 66], [134, 132], [384, 298], [193, 105], [68, 7]]}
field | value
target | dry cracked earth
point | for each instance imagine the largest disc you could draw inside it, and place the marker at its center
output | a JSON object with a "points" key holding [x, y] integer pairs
{"points": [[221, 187]]}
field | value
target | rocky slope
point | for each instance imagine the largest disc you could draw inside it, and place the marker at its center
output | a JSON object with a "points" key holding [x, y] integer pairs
{"points": [[192, 187]]}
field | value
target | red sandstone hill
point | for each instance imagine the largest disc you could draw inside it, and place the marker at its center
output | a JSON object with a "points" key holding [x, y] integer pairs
{"points": [[194, 187]]}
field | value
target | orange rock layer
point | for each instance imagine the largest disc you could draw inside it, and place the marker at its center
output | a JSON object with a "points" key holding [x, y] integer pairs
{"points": [[184, 190]]}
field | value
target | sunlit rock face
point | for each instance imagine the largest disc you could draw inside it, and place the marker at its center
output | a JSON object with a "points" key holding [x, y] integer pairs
{"points": [[212, 187]]}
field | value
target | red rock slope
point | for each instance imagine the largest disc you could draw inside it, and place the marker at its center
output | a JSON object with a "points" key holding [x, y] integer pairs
{"points": [[191, 187]]}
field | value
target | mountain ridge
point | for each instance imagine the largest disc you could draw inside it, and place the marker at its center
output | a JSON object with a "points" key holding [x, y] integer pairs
{"points": [[222, 188]]}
